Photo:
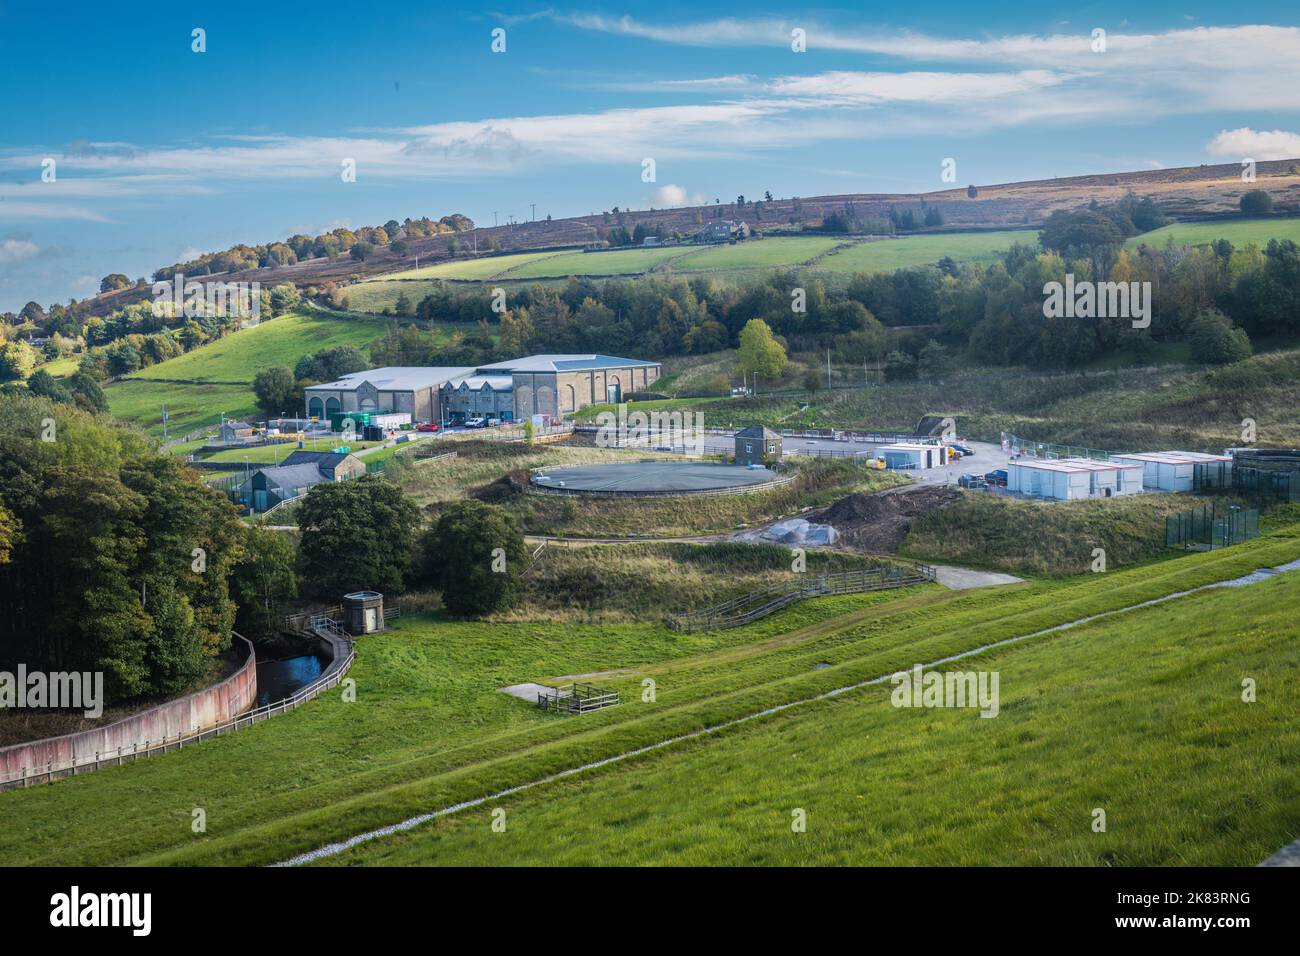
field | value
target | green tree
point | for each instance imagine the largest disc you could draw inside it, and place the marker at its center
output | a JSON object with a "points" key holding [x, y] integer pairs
{"points": [[263, 582], [17, 359], [1214, 341], [275, 390], [284, 298], [899, 367], [760, 353], [113, 282], [476, 556], [355, 535]]}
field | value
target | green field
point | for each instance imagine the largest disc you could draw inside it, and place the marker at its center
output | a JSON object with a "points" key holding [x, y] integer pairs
{"points": [[614, 262], [886, 255], [766, 254], [267, 454], [1237, 231], [1138, 714], [484, 267], [280, 341]]}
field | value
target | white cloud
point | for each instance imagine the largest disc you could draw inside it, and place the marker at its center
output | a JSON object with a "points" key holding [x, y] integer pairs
{"points": [[671, 196], [1247, 143], [15, 250]]}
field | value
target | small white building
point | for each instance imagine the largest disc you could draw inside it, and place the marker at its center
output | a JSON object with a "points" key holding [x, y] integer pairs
{"points": [[1171, 470], [1069, 479], [913, 455]]}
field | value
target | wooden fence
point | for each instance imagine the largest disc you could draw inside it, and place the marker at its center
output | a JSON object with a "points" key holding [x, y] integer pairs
{"points": [[764, 601]]}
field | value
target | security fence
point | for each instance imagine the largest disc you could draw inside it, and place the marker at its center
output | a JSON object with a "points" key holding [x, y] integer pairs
{"points": [[1211, 526]]}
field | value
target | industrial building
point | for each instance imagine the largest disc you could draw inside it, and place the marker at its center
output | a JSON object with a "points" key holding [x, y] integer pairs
{"points": [[1171, 470], [551, 385], [910, 455], [1069, 479]]}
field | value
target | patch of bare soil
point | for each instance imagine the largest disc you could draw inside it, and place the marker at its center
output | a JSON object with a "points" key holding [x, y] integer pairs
{"points": [[877, 523]]}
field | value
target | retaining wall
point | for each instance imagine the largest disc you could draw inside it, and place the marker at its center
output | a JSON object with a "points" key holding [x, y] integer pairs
{"points": [[141, 733]]}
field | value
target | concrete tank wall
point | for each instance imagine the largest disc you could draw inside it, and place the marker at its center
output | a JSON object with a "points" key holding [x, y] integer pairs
{"points": [[186, 715]]}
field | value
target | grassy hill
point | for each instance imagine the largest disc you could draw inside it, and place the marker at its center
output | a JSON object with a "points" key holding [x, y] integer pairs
{"points": [[1119, 713], [1130, 409], [200, 385]]}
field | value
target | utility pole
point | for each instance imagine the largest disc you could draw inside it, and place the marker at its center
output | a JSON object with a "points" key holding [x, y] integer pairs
{"points": [[828, 368], [534, 205], [494, 218]]}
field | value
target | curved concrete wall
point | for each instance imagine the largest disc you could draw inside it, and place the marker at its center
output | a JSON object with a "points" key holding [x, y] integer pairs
{"points": [[177, 718]]}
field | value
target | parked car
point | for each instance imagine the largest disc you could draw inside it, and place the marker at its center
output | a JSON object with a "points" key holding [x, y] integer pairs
{"points": [[475, 422], [971, 481], [998, 477], [962, 450], [427, 427]]}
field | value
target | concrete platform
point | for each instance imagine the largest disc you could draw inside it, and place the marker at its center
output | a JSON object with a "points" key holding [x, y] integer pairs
{"points": [[526, 692], [960, 579]]}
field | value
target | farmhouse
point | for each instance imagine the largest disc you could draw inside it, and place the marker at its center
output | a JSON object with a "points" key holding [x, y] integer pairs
{"points": [[1068, 479], [1172, 470]]}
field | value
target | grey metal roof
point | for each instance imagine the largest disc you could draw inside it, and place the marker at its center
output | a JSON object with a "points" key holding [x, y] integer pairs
{"points": [[499, 383], [292, 476], [757, 431], [399, 378], [565, 363]]}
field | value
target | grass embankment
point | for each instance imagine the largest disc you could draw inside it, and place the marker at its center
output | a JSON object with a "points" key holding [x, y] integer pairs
{"points": [[646, 582], [1140, 716], [429, 727], [1136, 409], [886, 255], [1054, 538]]}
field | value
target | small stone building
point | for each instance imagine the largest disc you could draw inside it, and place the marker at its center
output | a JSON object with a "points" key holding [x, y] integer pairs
{"points": [[757, 445], [363, 612]]}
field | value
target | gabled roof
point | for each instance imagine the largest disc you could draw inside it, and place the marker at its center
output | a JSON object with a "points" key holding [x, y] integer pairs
{"points": [[499, 383], [321, 459], [292, 476], [758, 431]]}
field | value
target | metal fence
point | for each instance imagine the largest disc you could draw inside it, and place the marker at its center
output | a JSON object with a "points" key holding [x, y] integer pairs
{"points": [[1211, 526], [1050, 450], [576, 698], [764, 601]]}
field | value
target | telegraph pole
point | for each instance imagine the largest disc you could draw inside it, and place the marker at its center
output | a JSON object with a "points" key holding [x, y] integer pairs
{"points": [[534, 205]]}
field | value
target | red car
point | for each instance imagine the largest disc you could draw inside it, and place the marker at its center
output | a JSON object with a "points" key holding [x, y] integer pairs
{"points": [[426, 427]]}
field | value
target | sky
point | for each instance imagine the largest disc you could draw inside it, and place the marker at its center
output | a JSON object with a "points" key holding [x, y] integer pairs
{"points": [[161, 152]]}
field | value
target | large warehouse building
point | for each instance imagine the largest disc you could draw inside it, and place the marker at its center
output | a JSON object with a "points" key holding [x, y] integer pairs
{"points": [[550, 385]]}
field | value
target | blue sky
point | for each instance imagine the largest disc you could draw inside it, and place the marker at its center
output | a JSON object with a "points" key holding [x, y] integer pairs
{"points": [[162, 152]]}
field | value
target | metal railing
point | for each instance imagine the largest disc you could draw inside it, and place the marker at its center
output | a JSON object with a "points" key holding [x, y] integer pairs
{"points": [[576, 698], [764, 601]]}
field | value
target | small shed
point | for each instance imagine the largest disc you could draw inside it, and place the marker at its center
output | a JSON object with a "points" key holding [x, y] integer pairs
{"points": [[232, 431], [363, 612], [1069, 479], [757, 445], [907, 455]]}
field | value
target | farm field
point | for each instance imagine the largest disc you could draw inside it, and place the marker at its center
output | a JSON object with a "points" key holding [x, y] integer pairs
{"points": [[614, 262], [429, 728], [766, 254], [484, 267], [1237, 231], [886, 255]]}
